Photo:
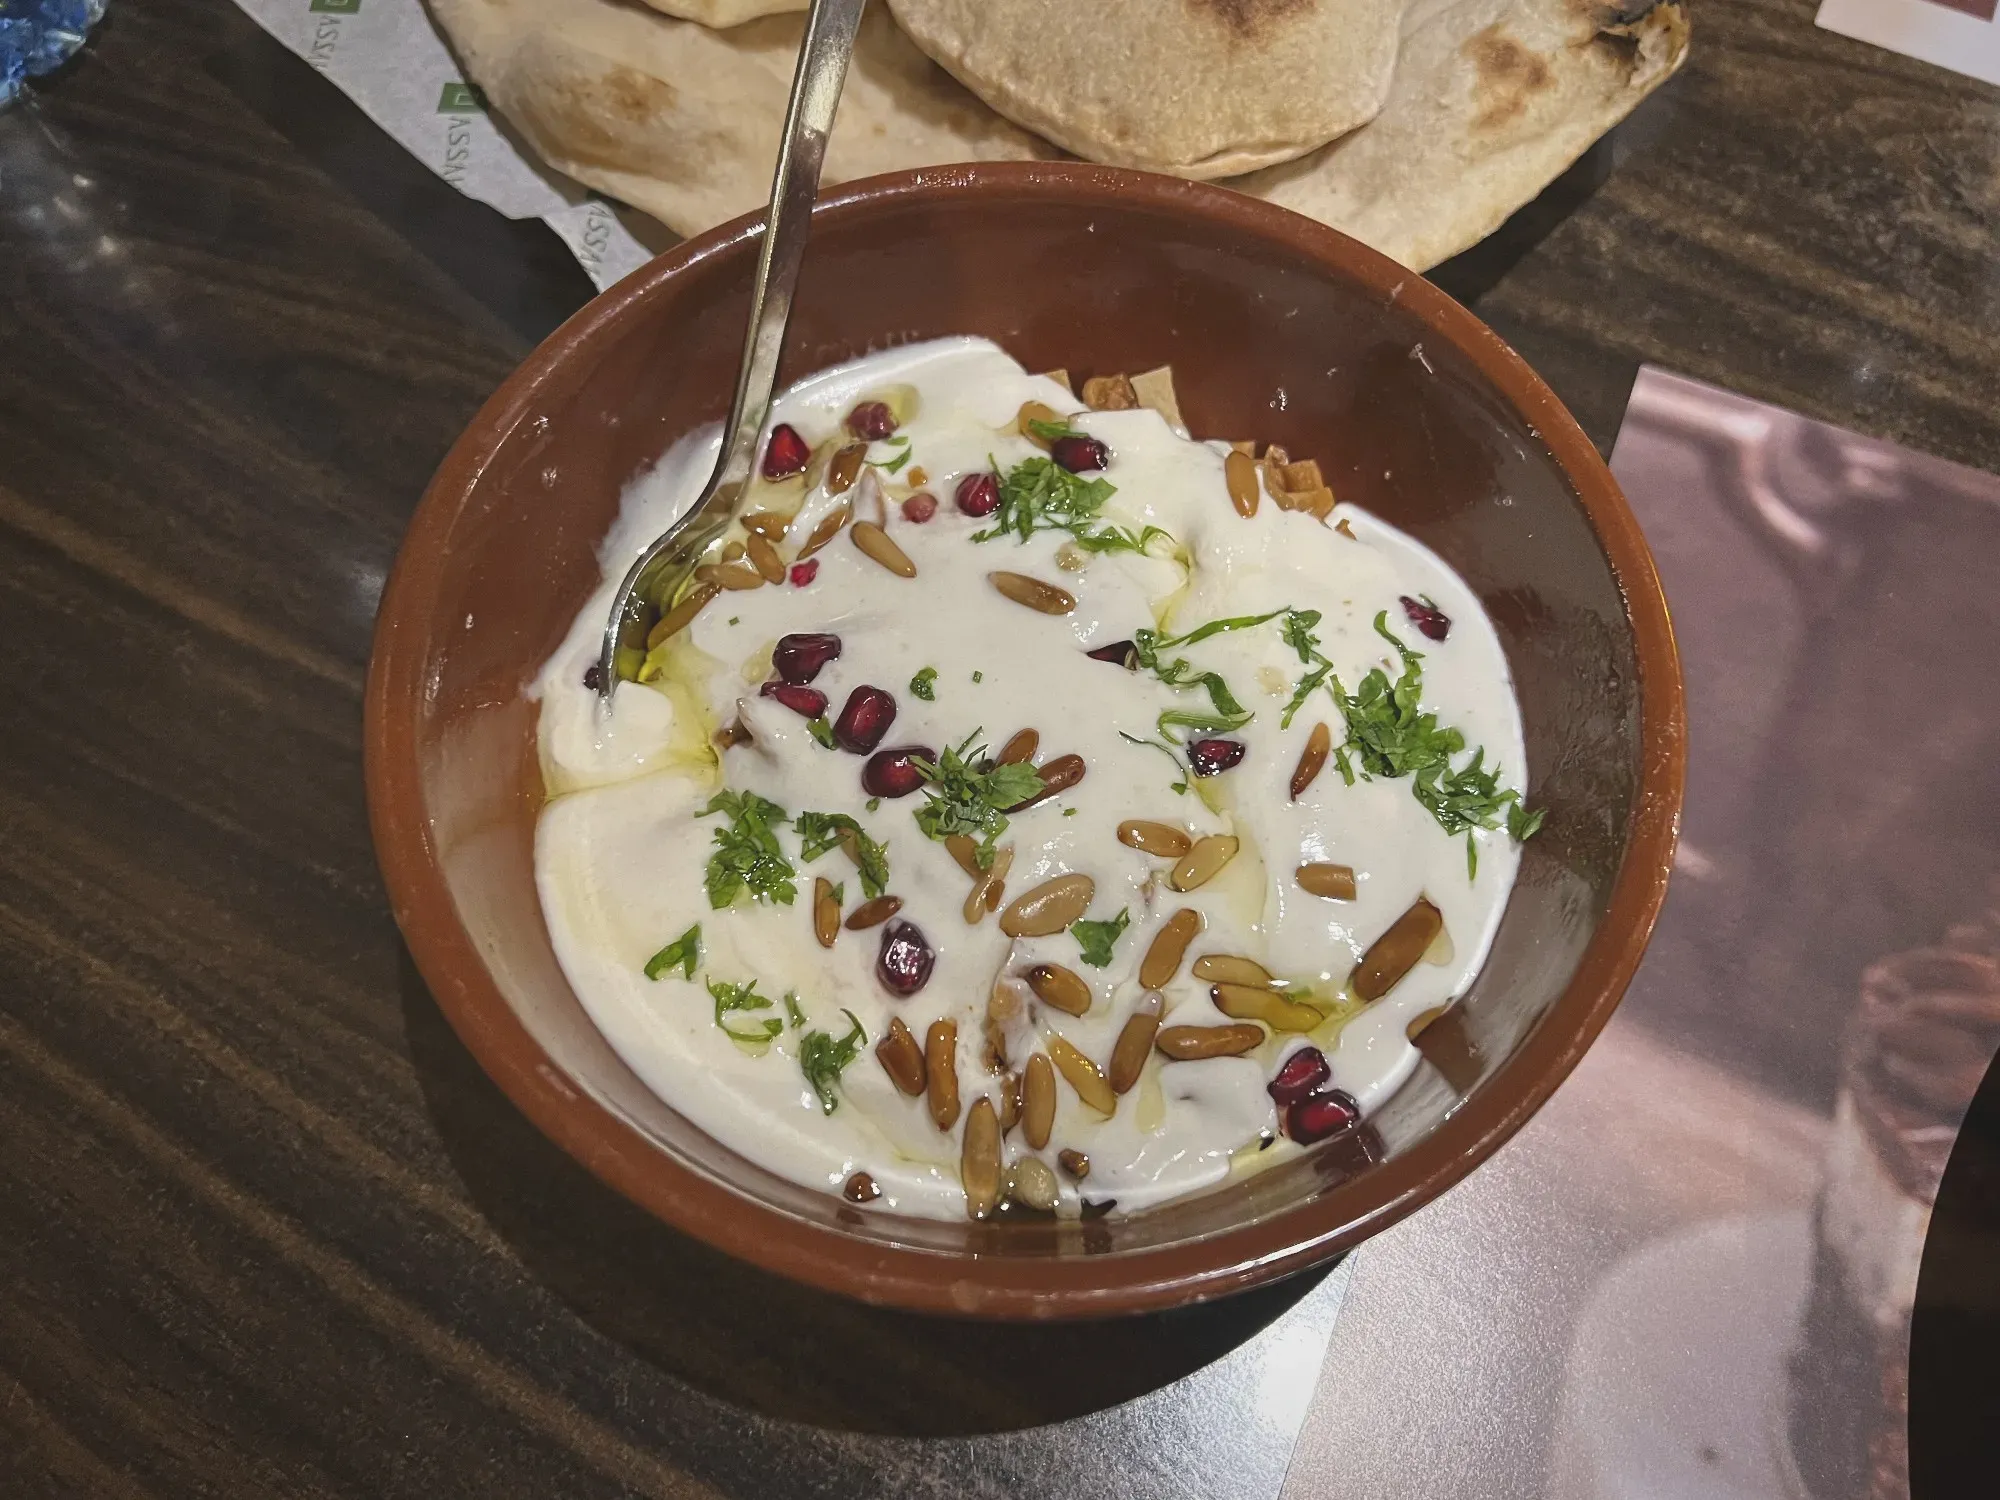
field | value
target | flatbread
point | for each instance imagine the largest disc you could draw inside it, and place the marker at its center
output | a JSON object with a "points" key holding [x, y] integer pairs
{"points": [[725, 12], [1198, 88], [683, 121], [1492, 100]]}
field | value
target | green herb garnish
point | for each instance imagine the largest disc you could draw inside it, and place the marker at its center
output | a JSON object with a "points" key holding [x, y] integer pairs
{"points": [[793, 1014], [891, 465], [1097, 939], [924, 685], [1166, 748], [684, 952], [1122, 539], [819, 832], [1050, 432], [820, 730], [978, 676], [822, 1059], [1390, 736], [965, 796], [735, 997], [747, 853], [1225, 712]]}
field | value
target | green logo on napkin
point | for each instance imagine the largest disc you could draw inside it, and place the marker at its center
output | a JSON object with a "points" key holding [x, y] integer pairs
{"points": [[457, 98], [336, 7]]}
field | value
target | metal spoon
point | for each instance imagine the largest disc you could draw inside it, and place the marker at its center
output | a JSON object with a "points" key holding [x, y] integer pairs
{"points": [[662, 568]]}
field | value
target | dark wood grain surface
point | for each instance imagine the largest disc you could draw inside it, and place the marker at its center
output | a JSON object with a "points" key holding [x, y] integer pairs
{"points": [[264, 1228]]}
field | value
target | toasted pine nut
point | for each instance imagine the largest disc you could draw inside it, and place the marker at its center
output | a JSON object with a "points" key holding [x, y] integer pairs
{"points": [[1312, 759], [1049, 907], [1135, 1040], [873, 913], [732, 551], [1203, 862], [1032, 592], [1084, 1076], [995, 889], [1065, 989], [766, 523], [1033, 1185], [941, 1072], [1021, 747], [901, 1058], [1395, 952], [1192, 1043], [1334, 882], [860, 1188], [764, 558], [1168, 948], [730, 575], [845, 468], [1058, 775], [966, 852], [1075, 1163], [979, 1160], [1239, 472], [826, 912], [677, 619], [827, 529], [877, 545], [1163, 839], [1240, 1002], [1035, 411], [1038, 1101], [980, 899], [1010, 1101], [1231, 968]]}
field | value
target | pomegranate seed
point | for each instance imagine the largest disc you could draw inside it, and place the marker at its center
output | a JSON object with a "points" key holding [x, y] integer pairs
{"points": [[1118, 653], [919, 508], [871, 421], [805, 572], [593, 677], [786, 454], [1427, 617], [1321, 1115], [864, 719], [807, 702], [798, 658], [890, 774], [1212, 757], [978, 494], [1080, 454], [904, 964], [1298, 1075]]}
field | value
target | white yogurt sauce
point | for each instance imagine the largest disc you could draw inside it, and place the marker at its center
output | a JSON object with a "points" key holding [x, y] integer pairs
{"points": [[621, 850]]}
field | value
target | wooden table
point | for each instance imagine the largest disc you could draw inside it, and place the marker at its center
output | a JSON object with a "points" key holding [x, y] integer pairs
{"points": [[264, 1228]]}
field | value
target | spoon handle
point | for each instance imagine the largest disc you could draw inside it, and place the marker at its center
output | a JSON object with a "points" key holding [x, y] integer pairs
{"points": [[816, 85]]}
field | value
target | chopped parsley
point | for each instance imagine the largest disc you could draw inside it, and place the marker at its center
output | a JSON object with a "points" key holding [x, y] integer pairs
{"points": [[1039, 494], [1165, 747], [1389, 735], [683, 953], [1226, 713], [792, 1012], [924, 685], [822, 1059], [1097, 939], [978, 676], [891, 465], [963, 795], [1050, 432], [747, 853], [730, 998], [819, 832], [820, 730]]}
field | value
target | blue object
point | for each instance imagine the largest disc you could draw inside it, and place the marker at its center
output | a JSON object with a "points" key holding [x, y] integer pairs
{"points": [[39, 36]]}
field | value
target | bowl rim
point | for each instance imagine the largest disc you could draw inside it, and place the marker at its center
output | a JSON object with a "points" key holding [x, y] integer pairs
{"points": [[998, 1286]]}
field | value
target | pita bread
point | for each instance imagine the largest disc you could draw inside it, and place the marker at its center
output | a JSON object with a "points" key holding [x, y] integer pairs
{"points": [[725, 12], [1492, 100], [1198, 88], [683, 121]]}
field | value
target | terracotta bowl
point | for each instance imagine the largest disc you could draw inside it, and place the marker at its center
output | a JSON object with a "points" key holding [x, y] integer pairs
{"points": [[1276, 328]]}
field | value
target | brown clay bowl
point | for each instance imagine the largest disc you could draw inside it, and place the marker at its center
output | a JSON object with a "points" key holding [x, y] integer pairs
{"points": [[1276, 328]]}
